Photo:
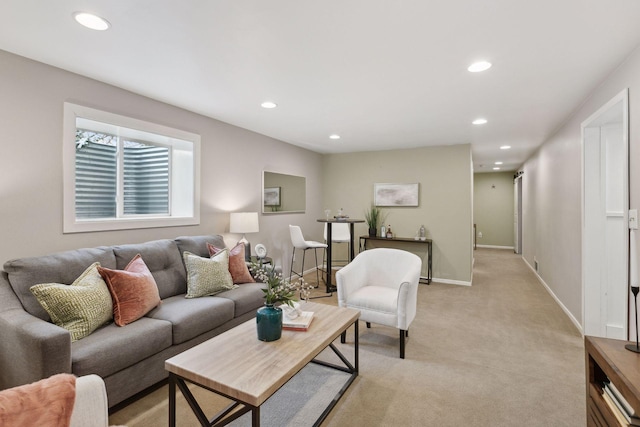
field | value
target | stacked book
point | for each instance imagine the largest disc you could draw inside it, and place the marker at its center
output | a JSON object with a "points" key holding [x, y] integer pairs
{"points": [[619, 405], [300, 323]]}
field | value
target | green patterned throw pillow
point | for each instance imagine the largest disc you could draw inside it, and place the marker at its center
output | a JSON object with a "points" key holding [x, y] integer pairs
{"points": [[207, 276], [81, 307]]}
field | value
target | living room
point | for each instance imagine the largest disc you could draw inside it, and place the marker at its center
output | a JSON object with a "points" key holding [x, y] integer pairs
{"points": [[233, 159]]}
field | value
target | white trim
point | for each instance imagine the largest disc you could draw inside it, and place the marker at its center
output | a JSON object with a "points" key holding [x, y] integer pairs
{"points": [[73, 225], [562, 306], [445, 281], [623, 97], [495, 247], [451, 282]]}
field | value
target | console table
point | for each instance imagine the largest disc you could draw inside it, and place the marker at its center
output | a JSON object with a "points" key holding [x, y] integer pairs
{"points": [[378, 240], [608, 362]]}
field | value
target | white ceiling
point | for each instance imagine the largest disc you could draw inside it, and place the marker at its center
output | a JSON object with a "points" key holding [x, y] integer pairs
{"points": [[383, 74]]}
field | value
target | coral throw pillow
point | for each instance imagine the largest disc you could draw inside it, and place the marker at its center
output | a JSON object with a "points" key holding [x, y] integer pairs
{"points": [[134, 291], [46, 403], [237, 265]]}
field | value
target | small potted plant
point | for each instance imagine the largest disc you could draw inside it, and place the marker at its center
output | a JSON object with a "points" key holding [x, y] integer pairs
{"points": [[278, 290], [374, 217]]}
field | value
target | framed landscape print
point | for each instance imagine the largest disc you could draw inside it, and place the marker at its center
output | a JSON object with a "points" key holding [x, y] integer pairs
{"points": [[272, 196], [396, 194]]}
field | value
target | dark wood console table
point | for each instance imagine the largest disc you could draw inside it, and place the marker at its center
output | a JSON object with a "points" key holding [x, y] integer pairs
{"points": [[609, 363], [428, 242]]}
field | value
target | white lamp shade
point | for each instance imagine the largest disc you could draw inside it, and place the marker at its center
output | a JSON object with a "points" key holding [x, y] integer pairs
{"points": [[244, 222]]}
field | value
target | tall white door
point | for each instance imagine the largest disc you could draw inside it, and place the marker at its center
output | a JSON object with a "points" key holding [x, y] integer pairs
{"points": [[605, 221]]}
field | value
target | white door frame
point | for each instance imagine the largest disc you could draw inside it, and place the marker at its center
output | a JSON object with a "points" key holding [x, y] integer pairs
{"points": [[594, 124], [517, 213]]}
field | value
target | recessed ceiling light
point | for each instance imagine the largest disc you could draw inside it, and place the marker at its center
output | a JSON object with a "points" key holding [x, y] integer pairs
{"points": [[334, 136], [479, 121], [505, 147], [496, 169], [269, 104], [497, 163], [479, 66], [91, 21]]}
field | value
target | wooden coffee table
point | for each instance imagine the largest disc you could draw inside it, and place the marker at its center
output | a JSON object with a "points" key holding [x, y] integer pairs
{"points": [[235, 364]]}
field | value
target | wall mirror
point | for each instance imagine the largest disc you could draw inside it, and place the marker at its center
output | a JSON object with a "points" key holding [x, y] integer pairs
{"points": [[283, 193]]}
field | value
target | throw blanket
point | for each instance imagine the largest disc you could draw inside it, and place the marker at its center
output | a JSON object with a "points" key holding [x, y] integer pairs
{"points": [[46, 403]]}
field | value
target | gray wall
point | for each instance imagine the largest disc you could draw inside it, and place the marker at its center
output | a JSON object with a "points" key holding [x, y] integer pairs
{"points": [[31, 106], [493, 208], [552, 188], [445, 201]]}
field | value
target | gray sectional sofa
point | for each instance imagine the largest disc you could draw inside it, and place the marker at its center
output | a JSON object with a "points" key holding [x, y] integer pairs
{"points": [[129, 358]]}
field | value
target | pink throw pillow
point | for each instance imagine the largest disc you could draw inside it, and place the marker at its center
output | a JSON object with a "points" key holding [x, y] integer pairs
{"points": [[45, 403], [134, 291], [237, 265]]}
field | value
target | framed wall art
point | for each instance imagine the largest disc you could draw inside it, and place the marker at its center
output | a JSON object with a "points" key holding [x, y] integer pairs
{"points": [[272, 196], [396, 194]]}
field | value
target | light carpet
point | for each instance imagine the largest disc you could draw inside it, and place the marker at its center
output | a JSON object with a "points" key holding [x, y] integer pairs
{"points": [[498, 353]]}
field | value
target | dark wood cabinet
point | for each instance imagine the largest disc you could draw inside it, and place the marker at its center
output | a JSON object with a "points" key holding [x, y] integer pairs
{"points": [[608, 361]]}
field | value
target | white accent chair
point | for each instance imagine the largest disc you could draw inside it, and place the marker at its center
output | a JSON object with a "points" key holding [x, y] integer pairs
{"points": [[298, 242], [91, 408], [383, 284]]}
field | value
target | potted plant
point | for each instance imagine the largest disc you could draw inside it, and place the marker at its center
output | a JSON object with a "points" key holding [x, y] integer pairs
{"points": [[374, 217], [278, 290]]}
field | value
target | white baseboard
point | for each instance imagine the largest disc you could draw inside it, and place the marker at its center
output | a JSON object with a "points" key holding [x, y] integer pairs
{"points": [[562, 306], [451, 282], [494, 247]]}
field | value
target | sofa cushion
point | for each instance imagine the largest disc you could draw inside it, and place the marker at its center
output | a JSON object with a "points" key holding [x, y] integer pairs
{"points": [[197, 245], [81, 307], [237, 264], [112, 348], [192, 317], [246, 298], [133, 290], [164, 261], [63, 267], [207, 276]]}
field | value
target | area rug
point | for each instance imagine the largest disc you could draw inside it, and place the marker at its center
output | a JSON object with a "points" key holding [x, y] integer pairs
{"points": [[298, 403]]}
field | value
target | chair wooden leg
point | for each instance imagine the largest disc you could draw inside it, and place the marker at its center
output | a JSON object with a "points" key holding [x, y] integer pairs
{"points": [[402, 336], [368, 324]]}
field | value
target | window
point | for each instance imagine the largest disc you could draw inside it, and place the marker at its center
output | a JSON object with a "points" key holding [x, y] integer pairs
{"points": [[123, 173]]}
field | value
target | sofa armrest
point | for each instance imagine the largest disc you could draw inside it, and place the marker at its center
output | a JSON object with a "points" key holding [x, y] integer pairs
{"points": [[31, 348], [90, 408]]}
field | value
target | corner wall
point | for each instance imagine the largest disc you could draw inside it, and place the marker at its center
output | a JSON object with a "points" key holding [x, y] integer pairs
{"points": [[445, 200], [31, 111], [552, 191]]}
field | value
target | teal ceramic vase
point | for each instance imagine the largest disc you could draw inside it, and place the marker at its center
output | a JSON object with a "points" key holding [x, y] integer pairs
{"points": [[269, 323]]}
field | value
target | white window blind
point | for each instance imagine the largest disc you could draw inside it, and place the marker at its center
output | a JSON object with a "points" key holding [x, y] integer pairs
{"points": [[123, 173]]}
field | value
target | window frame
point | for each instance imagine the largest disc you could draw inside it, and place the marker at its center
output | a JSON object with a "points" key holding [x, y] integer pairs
{"points": [[73, 225]]}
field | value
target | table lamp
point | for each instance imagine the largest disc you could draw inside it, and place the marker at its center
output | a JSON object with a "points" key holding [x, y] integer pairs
{"points": [[244, 222]]}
